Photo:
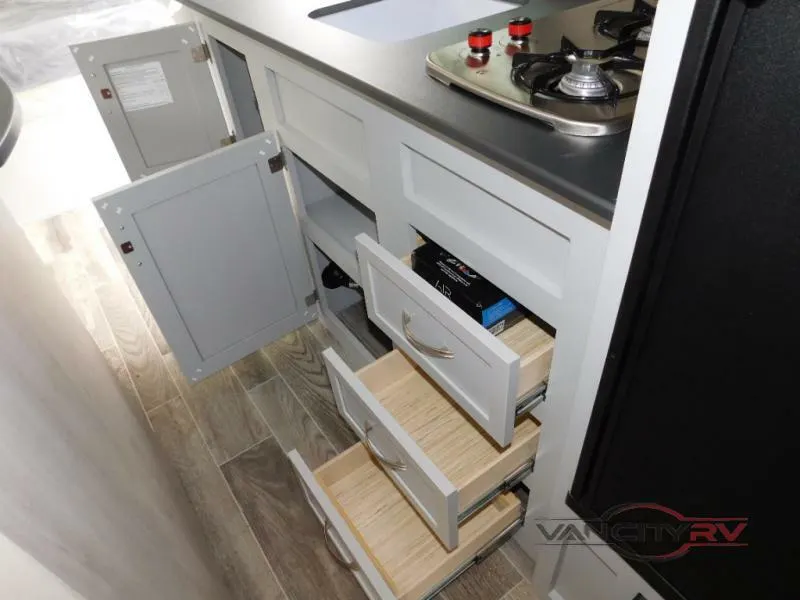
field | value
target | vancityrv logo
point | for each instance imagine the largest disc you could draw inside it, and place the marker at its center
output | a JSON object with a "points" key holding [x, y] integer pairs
{"points": [[647, 532]]}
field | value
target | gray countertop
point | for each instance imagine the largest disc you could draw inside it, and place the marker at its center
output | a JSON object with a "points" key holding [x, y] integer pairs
{"points": [[585, 171], [10, 121]]}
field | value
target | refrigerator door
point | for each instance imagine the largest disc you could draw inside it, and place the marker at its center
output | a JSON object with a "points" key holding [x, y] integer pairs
{"points": [[697, 408]]}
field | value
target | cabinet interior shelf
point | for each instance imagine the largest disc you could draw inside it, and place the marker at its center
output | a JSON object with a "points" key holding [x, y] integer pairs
{"points": [[332, 223]]}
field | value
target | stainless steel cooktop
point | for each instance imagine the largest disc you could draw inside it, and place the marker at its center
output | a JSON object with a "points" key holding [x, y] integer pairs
{"points": [[566, 70]]}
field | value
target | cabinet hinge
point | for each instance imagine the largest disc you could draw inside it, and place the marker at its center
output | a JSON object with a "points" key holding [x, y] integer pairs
{"points": [[227, 141], [201, 53], [312, 298], [276, 163]]}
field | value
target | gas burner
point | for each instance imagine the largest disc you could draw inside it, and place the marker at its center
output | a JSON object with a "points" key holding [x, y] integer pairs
{"points": [[580, 75], [586, 80], [559, 70], [622, 26]]}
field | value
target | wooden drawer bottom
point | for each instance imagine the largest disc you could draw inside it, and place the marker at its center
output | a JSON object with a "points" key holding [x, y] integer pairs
{"points": [[492, 378], [383, 529], [445, 466], [466, 456]]}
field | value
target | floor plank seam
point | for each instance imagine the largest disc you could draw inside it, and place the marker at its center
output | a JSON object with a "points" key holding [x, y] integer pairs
{"points": [[199, 431], [206, 443], [272, 362], [314, 335], [513, 564], [507, 595], [113, 343], [110, 346], [142, 330], [239, 379], [125, 366], [510, 594], [247, 521], [92, 296], [251, 446], [228, 487], [161, 405], [260, 412], [127, 280], [308, 412]]}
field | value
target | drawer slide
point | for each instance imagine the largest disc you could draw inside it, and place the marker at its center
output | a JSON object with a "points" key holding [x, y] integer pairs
{"points": [[436, 456], [482, 555], [370, 528], [508, 484], [532, 400], [485, 375]]}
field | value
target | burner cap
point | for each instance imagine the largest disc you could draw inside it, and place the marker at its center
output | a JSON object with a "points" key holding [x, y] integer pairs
{"points": [[644, 34], [585, 80], [580, 75]]}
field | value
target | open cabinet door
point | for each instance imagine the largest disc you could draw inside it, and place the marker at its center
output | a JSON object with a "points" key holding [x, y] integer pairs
{"points": [[217, 253], [156, 95]]}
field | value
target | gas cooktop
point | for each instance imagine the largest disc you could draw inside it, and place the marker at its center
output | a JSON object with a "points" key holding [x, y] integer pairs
{"points": [[578, 71]]}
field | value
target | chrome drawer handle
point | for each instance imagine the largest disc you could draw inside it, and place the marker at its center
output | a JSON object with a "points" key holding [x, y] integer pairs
{"points": [[441, 352], [394, 465], [347, 564]]}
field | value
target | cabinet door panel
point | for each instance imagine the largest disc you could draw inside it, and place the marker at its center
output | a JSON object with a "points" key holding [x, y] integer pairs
{"points": [[156, 96], [217, 253]]}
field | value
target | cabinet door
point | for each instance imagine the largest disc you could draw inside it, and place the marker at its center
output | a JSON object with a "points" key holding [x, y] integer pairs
{"points": [[156, 95], [216, 251]]}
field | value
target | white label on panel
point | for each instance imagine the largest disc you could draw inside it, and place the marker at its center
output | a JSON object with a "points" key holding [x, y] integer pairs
{"points": [[141, 86]]}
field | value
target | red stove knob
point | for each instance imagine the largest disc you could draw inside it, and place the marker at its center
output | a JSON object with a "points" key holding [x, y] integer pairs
{"points": [[520, 28], [479, 40]]}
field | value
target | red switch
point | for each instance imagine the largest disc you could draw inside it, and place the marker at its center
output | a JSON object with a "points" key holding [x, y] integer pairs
{"points": [[479, 40], [520, 28]]}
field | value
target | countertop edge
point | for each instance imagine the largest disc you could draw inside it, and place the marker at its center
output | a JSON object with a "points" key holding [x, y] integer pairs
{"points": [[597, 205]]}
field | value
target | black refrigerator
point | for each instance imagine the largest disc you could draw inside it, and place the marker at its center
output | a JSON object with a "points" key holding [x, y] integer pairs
{"points": [[698, 409]]}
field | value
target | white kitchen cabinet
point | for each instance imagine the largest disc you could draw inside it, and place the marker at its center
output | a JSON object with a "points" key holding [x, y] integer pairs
{"points": [[436, 456], [216, 252], [393, 555], [238, 88], [492, 377], [211, 235], [331, 217], [156, 94], [326, 125], [229, 250]]}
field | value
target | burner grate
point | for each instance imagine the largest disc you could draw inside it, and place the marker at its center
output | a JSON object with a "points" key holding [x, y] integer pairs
{"points": [[623, 26], [576, 75]]}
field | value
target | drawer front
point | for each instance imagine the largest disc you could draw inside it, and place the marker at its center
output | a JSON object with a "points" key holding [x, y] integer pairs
{"points": [[425, 486], [476, 369], [340, 540], [540, 252], [330, 136]]}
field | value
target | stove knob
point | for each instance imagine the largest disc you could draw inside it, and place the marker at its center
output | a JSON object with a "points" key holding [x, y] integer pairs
{"points": [[520, 28], [480, 40]]}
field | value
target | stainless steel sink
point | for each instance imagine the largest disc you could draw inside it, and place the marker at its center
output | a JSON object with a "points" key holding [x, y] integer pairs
{"points": [[397, 20]]}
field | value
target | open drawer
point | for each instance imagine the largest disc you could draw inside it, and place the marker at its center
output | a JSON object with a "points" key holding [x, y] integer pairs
{"points": [[447, 468], [493, 378], [372, 530]]}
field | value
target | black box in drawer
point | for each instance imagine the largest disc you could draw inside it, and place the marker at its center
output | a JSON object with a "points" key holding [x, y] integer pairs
{"points": [[477, 297]]}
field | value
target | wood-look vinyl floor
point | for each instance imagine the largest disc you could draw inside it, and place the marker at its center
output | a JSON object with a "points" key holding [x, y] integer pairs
{"points": [[226, 438], [298, 357]]}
